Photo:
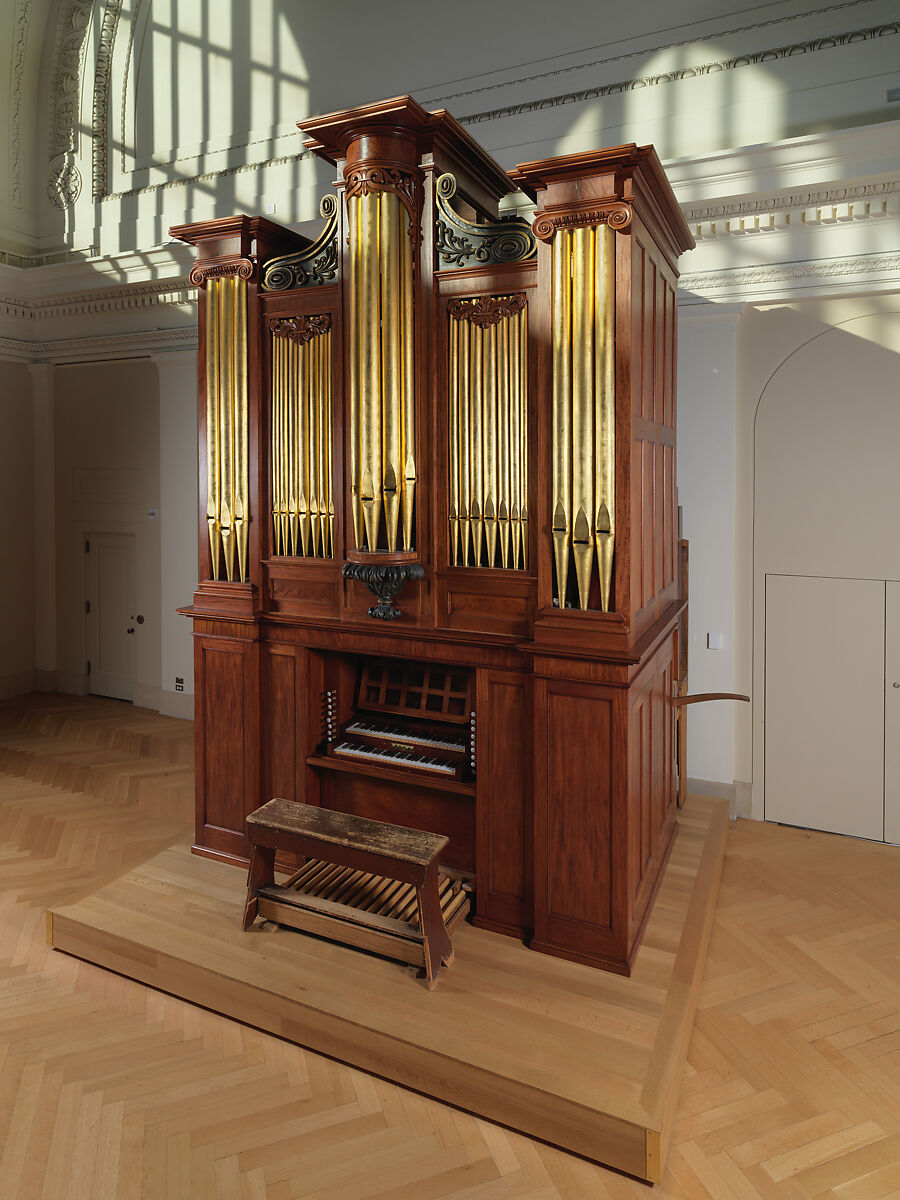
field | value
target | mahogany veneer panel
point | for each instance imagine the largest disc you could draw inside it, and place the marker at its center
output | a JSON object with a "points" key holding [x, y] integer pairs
{"points": [[584, 1059]]}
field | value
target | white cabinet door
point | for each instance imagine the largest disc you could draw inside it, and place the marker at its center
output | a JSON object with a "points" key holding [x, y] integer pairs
{"points": [[825, 711], [892, 713]]}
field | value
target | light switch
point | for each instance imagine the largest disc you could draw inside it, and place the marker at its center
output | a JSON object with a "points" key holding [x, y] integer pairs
{"points": [[714, 641]]}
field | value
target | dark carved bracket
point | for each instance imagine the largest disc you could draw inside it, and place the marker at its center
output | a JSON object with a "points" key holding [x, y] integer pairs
{"points": [[315, 265], [458, 240], [301, 328], [221, 268], [616, 215], [363, 180], [384, 581]]}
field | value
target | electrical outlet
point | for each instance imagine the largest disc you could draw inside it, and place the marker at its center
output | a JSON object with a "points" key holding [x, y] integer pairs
{"points": [[179, 683]]}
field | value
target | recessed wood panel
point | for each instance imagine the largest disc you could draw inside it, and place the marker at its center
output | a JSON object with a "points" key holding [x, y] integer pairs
{"points": [[281, 666], [221, 734], [579, 789]]}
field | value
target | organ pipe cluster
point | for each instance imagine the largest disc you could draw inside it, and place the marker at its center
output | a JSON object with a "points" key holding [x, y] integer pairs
{"points": [[488, 432], [583, 502], [227, 459], [381, 382], [302, 485]]}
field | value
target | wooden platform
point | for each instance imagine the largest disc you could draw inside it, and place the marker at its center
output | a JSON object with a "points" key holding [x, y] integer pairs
{"points": [[577, 1057]]}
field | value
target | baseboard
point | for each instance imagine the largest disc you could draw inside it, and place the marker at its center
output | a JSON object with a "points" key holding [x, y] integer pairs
{"points": [[176, 704], [19, 684], [46, 681], [712, 787], [146, 696], [742, 800], [70, 684]]}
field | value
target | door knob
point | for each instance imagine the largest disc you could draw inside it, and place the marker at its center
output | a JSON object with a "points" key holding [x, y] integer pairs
{"points": [[140, 619], [896, 685]]}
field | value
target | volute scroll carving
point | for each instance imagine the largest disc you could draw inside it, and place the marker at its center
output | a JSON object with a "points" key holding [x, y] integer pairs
{"points": [[616, 215], [222, 268], [458, 240], [312, 267]]}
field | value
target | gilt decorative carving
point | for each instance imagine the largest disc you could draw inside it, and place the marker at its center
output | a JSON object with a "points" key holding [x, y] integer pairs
{"points": [[457, 240], [315, 265], [486, 310], [616, 216], [221, 267], [302, 328]]}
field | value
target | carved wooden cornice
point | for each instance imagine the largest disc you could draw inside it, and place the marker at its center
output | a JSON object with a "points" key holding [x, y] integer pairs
{"points": [[616, 215], [221, 268], [301, 328], [486, 310]]}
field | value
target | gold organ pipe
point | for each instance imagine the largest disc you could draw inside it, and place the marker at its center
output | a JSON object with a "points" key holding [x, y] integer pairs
{"points": [[562, 404], [409, 380], [370, 378], [605, 406], [489, 427], [465, 469], [302, 430], [454, 441], [226, 425], [476, 500], [505, 369], [212, 423], [241, 430], [391, 382], [522, 360], [583, 408], [487, 443], [353, 212]]}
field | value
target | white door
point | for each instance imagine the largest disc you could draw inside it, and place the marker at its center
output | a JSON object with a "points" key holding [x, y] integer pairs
{"points": [[111, 613], [892, 713], [824, 730]]}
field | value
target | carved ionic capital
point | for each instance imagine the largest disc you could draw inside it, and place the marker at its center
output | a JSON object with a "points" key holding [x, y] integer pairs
{"points": [[617, 215], [220, 268]]}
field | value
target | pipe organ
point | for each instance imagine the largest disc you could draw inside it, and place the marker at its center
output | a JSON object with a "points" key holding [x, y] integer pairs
{"points": [[470, 418]]}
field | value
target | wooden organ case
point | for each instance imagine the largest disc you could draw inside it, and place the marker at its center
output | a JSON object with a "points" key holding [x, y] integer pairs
{"points": [[438, 569]]}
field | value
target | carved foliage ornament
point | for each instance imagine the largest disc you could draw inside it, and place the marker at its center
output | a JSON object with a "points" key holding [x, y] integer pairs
{"points": [[458, 240], [64, 186], [616, 216], [486, 310], [301, 328], [315, 265], [363, 180], [220, 268]]}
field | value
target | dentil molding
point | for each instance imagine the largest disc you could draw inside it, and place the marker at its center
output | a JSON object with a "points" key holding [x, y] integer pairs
{"points": [[99, 349]]}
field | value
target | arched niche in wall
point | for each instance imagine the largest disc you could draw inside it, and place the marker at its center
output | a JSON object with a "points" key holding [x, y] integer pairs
{"points": [[826, 498]]}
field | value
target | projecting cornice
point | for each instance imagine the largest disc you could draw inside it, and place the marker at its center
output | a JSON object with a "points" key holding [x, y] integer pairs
{"points": [[99, 349]]}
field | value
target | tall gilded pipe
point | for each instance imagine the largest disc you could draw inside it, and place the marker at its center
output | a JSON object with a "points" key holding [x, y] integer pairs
{"points": [[277, 445], [605, 406], [241, 431], [391, 384], [489, 425], [407, 308], [354, 221], [505, 370], [562, 409], [453, 407], [476, 499], [213, 422], [465, 456], [226, 426], [583, 408], [522, 417], [329, 426]]}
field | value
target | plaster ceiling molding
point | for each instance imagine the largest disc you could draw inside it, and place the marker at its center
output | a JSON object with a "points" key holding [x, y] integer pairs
{"points": [[100, 113], [19, 40], [126, 75], [119, 299], [642, 52], [64, 184], [819, 277], [782, 213], [98, 349], [790, 50]]}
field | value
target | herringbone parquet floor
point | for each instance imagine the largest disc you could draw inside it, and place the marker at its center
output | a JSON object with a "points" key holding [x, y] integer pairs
{"points": [[111, 1091]]}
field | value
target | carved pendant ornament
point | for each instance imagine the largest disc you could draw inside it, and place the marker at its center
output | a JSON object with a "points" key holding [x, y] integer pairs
{"points": [[462, 243], [486, 310], [312, 267], [384, 581], [301, 329], [361, 181]]}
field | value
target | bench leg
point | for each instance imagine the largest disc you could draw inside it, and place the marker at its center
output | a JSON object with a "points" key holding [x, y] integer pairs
{"points": [[261, 874], [438, 947]]}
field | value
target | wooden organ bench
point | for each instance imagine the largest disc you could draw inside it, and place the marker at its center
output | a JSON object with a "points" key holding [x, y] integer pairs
{"points": [[368, 884]]}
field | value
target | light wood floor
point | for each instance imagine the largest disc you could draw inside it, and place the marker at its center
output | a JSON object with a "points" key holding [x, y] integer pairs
{"points": [[110, 1090]]}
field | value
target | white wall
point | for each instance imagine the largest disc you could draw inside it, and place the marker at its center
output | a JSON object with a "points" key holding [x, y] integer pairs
{"points": [[107, 480], [16, 485]]}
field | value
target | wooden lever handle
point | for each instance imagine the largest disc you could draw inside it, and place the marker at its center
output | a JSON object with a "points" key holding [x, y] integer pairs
{"points": [[701, 697]]}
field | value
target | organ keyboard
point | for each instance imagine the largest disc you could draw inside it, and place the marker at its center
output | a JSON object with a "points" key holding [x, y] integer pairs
{"points": [[437, 736]]}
